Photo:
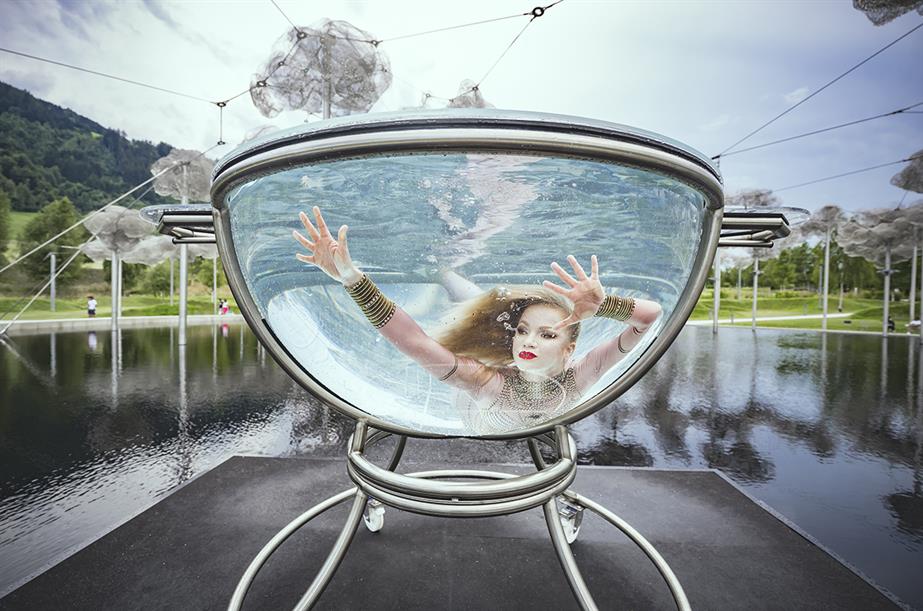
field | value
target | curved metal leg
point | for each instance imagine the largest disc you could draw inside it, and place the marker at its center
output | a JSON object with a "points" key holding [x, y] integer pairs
{"points": [[408, 492], [374, 514], [257, 563], [336, 554], [398, 452], [682, 603], [561, 547]]}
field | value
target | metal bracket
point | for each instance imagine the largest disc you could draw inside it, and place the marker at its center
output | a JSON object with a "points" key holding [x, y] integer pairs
{"points": [[756, 228], [185, 223]]}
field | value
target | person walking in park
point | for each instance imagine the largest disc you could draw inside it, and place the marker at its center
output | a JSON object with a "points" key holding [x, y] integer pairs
{"points": [[91, 306]]}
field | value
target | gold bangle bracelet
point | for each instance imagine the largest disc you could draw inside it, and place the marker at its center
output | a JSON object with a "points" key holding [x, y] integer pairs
{"points": [[616, 308], [377, 308]]}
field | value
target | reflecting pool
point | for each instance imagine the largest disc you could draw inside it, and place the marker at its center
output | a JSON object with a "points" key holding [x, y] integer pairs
{"points": [[827, 431]]}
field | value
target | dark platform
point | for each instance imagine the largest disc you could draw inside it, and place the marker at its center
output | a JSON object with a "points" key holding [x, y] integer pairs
{"points": [[189, 550]]}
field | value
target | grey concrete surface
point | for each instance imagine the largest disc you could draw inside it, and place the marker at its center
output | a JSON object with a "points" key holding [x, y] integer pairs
{"points": [[189, 550]]}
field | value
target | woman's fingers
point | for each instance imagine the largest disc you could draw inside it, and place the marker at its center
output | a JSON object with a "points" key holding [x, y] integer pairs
{"points": [[572, 319], [321, 224], [341, 240], [304, 241], [563, 275], [581, 275], [594, 267], [554, 287], [305, 258], [342, 251], [308, 226]]}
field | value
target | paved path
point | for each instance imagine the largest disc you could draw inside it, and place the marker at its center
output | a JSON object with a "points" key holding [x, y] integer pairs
{"points": [[26, 327], [728, 321]]}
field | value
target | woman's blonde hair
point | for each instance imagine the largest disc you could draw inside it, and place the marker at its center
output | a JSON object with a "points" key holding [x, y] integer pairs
{"points": [[482, 328]]}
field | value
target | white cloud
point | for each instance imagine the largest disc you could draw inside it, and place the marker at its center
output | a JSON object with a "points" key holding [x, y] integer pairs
{"points": [[716, 123], [793, 97]]}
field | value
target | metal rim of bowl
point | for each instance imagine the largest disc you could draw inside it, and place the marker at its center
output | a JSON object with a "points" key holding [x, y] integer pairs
{"points": [[476, 138]]}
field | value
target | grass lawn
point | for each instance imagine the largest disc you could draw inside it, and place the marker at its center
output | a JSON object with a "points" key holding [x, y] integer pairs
{"points": [[18, 220], [865, 314], [778, 306]]}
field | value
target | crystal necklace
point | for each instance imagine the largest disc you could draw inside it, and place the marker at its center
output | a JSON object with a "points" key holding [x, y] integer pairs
{"points": [[536, 395]]}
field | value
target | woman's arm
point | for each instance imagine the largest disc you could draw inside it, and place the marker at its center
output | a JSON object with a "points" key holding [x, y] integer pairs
{"points": [[332, 256], [589, 299], [603, 357], [462, 372]]}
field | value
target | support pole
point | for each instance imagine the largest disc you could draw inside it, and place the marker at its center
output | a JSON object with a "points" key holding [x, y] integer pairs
{"points": [[826, 275], [121, 281], [328, 86], [887, 298], [53, 292], [114, 281], [183, 261], [53, 364], [913, 274], [171, 281], [215, 286], [756, 282], [717, 296], [183, 268]]}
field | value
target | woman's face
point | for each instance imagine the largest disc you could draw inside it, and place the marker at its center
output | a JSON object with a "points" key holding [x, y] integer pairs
{"points": [[537, 348]]}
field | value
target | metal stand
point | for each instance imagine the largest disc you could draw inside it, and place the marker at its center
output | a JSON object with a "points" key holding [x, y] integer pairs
{"points": [[428, 493]]}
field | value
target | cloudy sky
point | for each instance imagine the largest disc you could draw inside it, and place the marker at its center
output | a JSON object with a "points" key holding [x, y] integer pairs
{"points": [[705, 73]]}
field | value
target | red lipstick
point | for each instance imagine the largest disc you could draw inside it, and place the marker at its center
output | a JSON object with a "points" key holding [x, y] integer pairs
{"points": [[526, 356]]}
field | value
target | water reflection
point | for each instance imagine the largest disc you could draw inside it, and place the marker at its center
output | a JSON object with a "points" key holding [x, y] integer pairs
{"points": [[828, 430]]}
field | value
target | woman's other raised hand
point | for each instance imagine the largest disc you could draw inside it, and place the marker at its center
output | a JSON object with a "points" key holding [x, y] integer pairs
{"points": [[331, 255], [585, 292]]}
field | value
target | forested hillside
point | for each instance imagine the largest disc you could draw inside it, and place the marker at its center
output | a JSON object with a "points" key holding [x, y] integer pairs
{"points": [[47, 152]]}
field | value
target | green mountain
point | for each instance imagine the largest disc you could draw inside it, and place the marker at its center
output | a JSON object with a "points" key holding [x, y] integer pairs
{"points": [[48, 152]]}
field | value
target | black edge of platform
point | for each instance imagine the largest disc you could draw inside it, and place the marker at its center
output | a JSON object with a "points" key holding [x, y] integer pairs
{"points": [[810, 539], [781, 518]]}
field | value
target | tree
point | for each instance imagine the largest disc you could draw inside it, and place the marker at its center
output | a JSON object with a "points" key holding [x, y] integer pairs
{"points": [[51, 220]]}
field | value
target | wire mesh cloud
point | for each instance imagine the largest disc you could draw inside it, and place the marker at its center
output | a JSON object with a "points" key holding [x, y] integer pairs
{"points": [[330, 61], [469, 96], [206, 251], [749, 199], [911, 177], [117, 230], [194, 182], [870, 233], [914, 213], [881, 12], [152, 250], [96, 251], [825, 218]]}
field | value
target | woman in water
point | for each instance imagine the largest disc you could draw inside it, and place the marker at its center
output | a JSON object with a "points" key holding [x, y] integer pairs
{"points": [[509, 349]]}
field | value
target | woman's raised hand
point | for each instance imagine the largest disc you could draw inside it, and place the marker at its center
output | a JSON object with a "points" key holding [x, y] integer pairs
{"points": [[332, 256], [585, 292]]}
